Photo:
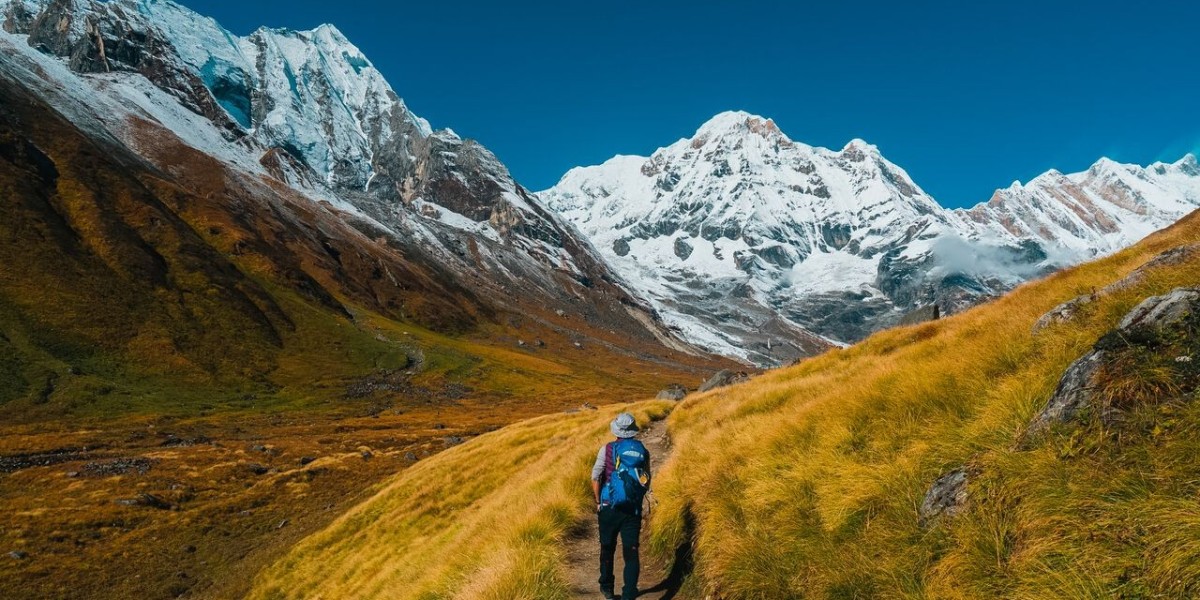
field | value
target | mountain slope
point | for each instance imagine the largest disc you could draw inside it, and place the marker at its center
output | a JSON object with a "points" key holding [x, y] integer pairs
{"points": [[912, 465], [763, 248], [207, 350], [826, 467], [307, 110]]}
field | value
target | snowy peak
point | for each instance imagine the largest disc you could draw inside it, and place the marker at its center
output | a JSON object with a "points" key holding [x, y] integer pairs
{"points": [[742, 206], [736, 124], [1080, 215], [739, 227], [310, 111]]}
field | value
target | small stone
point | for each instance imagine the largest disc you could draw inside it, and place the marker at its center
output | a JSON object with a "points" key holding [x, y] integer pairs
{"points": [[367, 455], [304, 460], [452, 440], [18, 554], [257, 469]]}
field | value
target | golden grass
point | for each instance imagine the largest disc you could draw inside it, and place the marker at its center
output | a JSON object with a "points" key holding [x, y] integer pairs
{"points": [[480, 520], [805, 483]]}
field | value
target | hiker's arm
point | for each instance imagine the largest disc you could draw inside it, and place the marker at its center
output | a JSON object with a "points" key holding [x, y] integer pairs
{"points": [[597, 474]]}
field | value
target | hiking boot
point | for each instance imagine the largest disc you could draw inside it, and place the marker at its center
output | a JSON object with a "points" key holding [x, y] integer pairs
{"points": [[608, 595]]}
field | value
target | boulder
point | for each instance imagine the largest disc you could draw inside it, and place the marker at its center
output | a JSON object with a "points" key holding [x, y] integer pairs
{"points": [[946, 497], [723, 378], [257, 468], [673, 391], [1160, 313]]}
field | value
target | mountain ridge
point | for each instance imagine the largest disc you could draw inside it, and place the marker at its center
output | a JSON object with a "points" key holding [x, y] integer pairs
{"points": [[308, 109], [741, 207]]}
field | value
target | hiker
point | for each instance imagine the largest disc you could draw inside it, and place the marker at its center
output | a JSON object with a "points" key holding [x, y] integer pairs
{"points": [[620, 480]]}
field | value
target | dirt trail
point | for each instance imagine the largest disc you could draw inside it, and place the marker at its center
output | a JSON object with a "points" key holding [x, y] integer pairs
{"points": [[583, 547]]}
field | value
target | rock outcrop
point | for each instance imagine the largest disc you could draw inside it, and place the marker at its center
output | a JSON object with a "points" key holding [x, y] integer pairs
{"points": [[1146, 325], [1068, 310]]}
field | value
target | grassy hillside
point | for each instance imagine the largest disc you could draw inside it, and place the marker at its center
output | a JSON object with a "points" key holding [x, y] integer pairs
{"points": [[482, 520], [806, 482], [198, 367]]}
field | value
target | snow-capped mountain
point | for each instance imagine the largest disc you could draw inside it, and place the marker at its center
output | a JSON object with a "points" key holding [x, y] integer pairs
{"points": [[1095, 212], [763, 248], [307, 109]]}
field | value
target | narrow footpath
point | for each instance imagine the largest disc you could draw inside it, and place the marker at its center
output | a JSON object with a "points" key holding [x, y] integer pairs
{"points": [[583, 547]]}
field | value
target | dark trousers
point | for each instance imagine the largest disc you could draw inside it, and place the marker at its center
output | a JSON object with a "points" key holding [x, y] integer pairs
{"points": [[629, 526]]}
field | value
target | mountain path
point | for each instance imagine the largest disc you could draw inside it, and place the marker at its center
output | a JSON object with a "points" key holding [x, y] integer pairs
{"points": [[583, 546]]}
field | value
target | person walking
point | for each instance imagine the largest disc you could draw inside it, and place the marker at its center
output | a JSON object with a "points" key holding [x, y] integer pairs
{"points": [[620, 480]]}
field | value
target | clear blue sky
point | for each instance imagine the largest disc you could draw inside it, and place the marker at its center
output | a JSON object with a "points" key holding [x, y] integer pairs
{"points": [[966, 96]]}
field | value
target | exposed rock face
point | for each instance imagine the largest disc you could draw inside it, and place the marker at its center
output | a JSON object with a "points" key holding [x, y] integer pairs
{"points": [[723, 378], [832, 245], [672, 392], [946, 497]]}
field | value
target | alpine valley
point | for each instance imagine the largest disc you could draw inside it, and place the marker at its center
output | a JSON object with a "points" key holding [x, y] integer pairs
{"points": [[765, 249], [244, 289]]}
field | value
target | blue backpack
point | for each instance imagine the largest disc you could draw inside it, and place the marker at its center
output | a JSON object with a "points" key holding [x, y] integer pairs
{"points": [[627, 486]]}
